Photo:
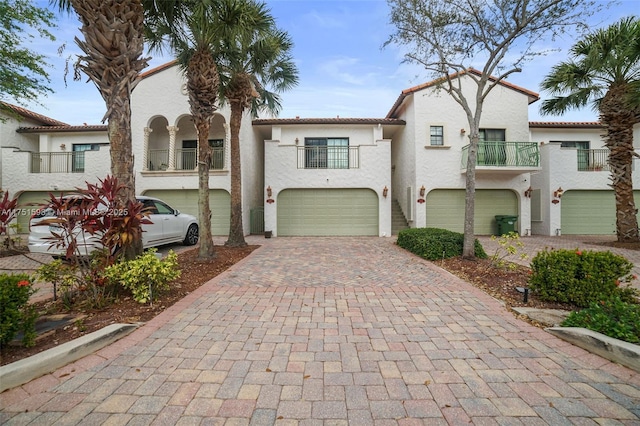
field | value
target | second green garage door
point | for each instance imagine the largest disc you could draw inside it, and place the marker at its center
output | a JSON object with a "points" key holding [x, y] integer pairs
{"points": [[186, 200], [590, 212], [445, 209], [318, 212]]}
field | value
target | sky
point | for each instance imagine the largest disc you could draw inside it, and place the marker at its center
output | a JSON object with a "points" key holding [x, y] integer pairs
{"points": [[343, 69]]}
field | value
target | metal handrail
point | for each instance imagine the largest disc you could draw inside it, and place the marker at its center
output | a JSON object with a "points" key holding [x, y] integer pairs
{"points": [[57, 162], [593, 160], [184, 159]]}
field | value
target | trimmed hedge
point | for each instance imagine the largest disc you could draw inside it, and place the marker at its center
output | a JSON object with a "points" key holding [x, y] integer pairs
{"points": [[435, 243], [580, 277]]}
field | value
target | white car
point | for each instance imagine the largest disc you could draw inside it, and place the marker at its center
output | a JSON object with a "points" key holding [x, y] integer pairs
{"points": [[168, 226]]}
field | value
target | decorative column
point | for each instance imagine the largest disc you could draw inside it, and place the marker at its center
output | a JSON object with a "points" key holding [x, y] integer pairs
{"points": [[172, 146], [227, 146], [145, 148]]}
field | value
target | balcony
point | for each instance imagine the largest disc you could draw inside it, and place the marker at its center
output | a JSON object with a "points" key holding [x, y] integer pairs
{"points": [[184, 159], [328, 157], [593, 160], [57, 162], [499, 156]]}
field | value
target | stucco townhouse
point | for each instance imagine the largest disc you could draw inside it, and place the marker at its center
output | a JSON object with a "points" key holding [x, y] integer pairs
{"points": [[337, 176]]}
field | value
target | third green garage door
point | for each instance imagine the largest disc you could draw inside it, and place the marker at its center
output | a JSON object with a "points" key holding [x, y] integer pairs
{"points": [[445, 209], [317, 212], [590, 212], [186, 200]]}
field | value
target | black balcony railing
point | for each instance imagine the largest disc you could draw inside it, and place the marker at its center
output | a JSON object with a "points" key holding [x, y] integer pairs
{"points": [[593, 160], [328, 157], [57, 162]]}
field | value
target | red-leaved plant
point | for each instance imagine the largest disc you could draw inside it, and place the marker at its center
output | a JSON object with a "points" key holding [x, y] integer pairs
{"points": [[96, 213], [8, 212]]}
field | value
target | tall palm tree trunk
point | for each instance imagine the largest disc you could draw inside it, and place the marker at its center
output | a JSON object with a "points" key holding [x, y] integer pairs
{"points": [[119, 131], [112, 47], [206, 250], [618, 120], [202, 86], [236, 231]]}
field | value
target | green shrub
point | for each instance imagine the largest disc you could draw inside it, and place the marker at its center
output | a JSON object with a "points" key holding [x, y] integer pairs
{"points": [[65, 279], [145, 276], [614, 318], [580, 277], [435, 243], [15, 312], [508, 246]]}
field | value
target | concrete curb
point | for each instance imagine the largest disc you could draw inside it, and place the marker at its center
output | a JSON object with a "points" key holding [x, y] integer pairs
{"points": [[615, 350], [25, 370]]}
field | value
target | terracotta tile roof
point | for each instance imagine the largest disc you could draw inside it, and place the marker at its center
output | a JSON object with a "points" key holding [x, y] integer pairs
{"points": [[63, 129], [566, 124], [532, 95], [33, 115], [158, 69], [337, 120]]}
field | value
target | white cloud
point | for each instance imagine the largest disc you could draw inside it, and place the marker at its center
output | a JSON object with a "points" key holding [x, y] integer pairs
{"points": [[347, 70]]}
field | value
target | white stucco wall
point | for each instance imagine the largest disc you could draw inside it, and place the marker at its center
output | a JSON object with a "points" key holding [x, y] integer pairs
{"points": [[560, 170], [17, 176], [159, 97], [282, 172], [10, 138], [403, 162], [440, 167], [593, 136]]}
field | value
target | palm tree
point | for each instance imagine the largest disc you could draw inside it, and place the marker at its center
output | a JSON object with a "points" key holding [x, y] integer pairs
{"points": [[251, 62], [112, 59], [193, 38], [604, 71]]}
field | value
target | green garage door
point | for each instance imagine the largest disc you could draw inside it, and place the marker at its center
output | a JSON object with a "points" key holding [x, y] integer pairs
{"points": [[28, 203], [445, 209], [317, 212], [589, 212], [186, 200]]}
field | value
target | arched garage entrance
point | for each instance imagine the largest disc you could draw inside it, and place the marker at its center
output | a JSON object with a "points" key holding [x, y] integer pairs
{"points": [[327, 212]]}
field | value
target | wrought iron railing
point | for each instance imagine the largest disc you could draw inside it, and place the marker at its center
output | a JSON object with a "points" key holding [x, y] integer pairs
{"points": [[57, 162], [593, 160], [185, 159], [158, 159], [328, 157], [505, 154]]}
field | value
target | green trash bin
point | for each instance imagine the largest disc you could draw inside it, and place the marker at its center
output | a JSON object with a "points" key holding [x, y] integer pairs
{"points": [[506, 224]]}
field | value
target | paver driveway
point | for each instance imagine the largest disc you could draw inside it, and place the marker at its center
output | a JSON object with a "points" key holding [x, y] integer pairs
{"points": [[333, 331]]}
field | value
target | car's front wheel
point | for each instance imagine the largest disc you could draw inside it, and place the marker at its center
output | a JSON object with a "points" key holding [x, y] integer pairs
{"points": [[191, 238]]}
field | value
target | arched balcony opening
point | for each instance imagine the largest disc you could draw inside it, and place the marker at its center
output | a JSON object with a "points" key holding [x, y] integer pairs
{"points": [[158, 151], [186, 153]]}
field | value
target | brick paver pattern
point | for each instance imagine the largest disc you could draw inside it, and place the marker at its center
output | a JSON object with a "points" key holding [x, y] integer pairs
{"points": [[333, 331]]}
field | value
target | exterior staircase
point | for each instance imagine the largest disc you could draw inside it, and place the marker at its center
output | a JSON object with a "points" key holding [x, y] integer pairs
{"points": [[398, 221]]}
